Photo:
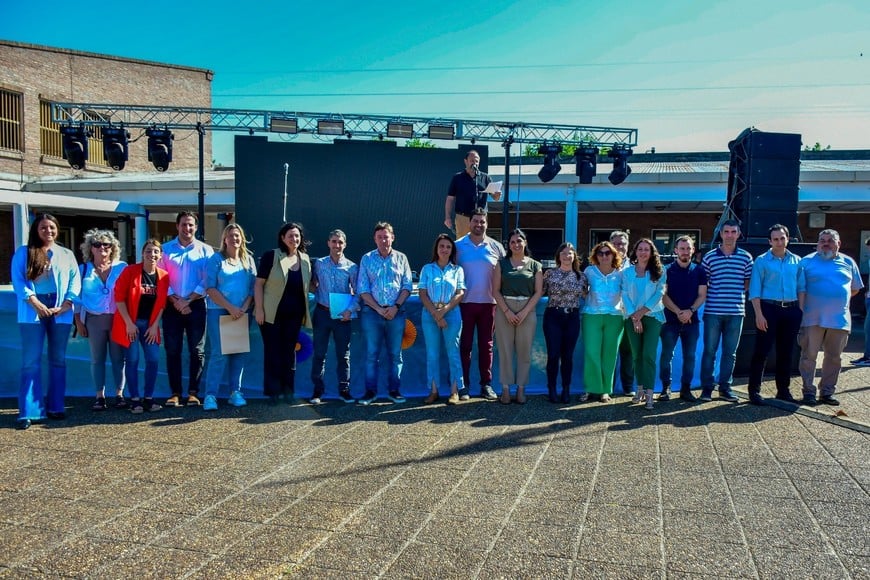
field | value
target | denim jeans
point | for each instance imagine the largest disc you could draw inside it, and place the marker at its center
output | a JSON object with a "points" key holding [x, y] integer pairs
{"points": [[175, 326], [217, 362], [33, 335], [433, 336], [378, 331], [324, 325], [100, 342], [688, 335], [727, 328], [131, 363]]}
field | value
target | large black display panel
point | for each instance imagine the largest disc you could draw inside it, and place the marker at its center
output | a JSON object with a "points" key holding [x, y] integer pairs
{"points": [[349, 185]]}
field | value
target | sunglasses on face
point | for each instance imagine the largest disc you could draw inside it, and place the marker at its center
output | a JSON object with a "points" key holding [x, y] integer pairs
{"points": [[603, 253], [99, 245]]}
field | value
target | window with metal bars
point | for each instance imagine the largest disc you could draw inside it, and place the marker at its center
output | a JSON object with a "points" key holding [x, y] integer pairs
{"points": [[51, 144], [11, 120]]}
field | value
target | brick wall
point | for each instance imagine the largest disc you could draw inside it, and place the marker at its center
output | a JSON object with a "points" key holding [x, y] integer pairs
{"points": [[63, 75]]}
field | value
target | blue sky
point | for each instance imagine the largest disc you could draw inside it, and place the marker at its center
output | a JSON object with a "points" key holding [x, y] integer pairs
{"points": [[689, 75]]}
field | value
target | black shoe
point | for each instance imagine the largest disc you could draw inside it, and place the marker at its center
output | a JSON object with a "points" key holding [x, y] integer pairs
{"points": [[809, 401], [828, 400], [22, 424], [756, 399], [728, 396], [686, 395], [345, 396], [565, 397], [57, 416], [786, 396], [665, 395], [487, 393], [551, 394]]}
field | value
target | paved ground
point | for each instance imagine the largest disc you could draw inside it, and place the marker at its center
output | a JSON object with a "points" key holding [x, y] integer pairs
{"points": [[480, 490]]}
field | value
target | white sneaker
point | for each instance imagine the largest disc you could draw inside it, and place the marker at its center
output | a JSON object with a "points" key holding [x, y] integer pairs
{"points": [[236, 399], [210, 403]]}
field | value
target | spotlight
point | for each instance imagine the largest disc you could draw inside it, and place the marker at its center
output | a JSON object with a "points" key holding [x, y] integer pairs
{"points": [[75, 145], [442, 131], [551, 166], [160, 147], [284, 125], [587, 161], [621, 170], [115, 147], [330, 127], [400, 130]]}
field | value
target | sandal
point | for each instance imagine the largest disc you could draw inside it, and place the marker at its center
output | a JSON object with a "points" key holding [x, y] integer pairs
{"points": [[99, 404], [120, 402], [151, 406], [137, 407]]}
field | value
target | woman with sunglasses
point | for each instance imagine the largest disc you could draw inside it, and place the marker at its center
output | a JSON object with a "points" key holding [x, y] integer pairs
{"points": [[95, 311], [643, 287], [602, 320], [517, 285]]}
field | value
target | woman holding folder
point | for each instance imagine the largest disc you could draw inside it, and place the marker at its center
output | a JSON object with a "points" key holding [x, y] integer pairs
{"points": [[230, 275]]}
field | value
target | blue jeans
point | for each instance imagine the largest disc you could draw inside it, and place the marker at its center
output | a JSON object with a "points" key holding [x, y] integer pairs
{"points": [[33, 335], [217, 362], [727, 328], [324, 325], [688, 335], [131, 363], [378, 331], [433, 336]]}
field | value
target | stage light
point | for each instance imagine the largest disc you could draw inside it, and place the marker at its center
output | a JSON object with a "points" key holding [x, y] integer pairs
{"points": [[400, 130], [75, 145], [279, 125], [160, 147], [587, 161], [327, 127], [551, 166], [621, 169], [115, 148], [442, 131]]}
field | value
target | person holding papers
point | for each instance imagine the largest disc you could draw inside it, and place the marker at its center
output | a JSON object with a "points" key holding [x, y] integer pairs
{"points": [[230, 275], [468, 192], [334, 280]]}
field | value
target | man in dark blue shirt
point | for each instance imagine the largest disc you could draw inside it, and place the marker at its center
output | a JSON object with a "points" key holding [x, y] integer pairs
{"points": [[686, 292], [466, 194]]}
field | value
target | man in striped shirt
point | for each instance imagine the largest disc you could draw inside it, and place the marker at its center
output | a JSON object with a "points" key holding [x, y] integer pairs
{"points": [[728, 270]]}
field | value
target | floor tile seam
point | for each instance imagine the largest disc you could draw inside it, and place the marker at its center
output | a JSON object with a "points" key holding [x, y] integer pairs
{"points": [[831, 456], [744, 541], [661, 498], [581, 528]]}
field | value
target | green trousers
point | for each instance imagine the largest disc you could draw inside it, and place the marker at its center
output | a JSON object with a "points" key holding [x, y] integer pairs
{"points": [[643, 350], [601, 336]]}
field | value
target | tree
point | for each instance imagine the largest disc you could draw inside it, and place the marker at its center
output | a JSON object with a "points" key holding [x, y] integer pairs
{"points": [[817, 147], [419, 143]]}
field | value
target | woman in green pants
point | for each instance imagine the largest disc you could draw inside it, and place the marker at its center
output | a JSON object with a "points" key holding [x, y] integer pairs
{"points": [[602, 320]]}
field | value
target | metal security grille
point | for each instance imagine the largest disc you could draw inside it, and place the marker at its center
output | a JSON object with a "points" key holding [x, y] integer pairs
{"points": [[51, 144], [11, 114]]}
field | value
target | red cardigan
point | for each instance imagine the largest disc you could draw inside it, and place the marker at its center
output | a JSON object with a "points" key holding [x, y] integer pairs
{"points": [[128, 289]]}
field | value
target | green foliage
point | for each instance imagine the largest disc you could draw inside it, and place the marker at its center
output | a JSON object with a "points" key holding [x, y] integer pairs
{"points": [[817, 147], [419, 143]]}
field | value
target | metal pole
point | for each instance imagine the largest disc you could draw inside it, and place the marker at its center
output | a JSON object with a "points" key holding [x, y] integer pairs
{"points": [[200, 231], [284, 215], [505, 190]]}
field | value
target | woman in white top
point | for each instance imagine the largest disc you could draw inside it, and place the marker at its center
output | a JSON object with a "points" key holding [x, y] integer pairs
{"points": [[602, 320], [95, 311], [643, 286]]}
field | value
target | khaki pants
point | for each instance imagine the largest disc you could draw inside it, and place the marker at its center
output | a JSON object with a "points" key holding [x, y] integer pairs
{"points": [[515, 341], [831, 342], [462, 225]]}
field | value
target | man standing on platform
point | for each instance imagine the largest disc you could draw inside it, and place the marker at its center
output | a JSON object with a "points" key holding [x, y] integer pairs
{"points": [[685, 293], [619, 239], [728, 270], [827, 280], [773, 293], [185, 258], [333, 275], [384, 284], [466, 194], [478, 254]]}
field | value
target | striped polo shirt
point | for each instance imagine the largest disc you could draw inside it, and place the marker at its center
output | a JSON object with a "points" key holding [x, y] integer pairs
{"points": [[726, 277]]}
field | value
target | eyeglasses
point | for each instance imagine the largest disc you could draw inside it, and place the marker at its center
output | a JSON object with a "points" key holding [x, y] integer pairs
{"points": [[99, 245], [603, 253]]}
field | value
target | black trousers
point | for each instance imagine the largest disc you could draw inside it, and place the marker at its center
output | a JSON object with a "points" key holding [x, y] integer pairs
{"points": [[279, 355], [561, 331], [783, 325]]}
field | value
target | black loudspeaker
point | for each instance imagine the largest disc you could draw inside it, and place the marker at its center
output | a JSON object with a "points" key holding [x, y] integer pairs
{"points": [[763, 180]]}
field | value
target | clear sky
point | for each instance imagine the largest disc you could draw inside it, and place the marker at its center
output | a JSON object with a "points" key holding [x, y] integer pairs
{"points": [[688, 74]]}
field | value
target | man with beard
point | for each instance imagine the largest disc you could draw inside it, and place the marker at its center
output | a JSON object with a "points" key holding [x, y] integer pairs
{"points": [[686, 292], [827, 280]]}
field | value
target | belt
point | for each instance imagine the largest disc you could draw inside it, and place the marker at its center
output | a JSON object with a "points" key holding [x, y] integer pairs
{"points": [[564, 309], [322, 307], [463, 214], [780, 303], [516, 297]]}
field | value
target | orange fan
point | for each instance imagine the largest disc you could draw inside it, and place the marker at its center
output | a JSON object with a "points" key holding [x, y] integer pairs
{"points": [[409, 336]]}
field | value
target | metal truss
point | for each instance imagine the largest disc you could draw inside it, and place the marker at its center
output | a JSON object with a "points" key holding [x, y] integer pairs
{"points": [[370, 126]]}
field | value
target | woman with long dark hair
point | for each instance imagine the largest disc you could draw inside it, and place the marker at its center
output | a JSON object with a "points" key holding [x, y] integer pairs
{"points": [[643, 287], [281, 308], [565, 285], [46, 280]]}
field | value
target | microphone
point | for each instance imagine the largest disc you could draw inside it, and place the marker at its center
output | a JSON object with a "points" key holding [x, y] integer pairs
{"points": [[286, 168], [475, 168]]}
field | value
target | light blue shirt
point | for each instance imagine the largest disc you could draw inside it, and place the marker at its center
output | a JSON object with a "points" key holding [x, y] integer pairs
{"points": [[98, 297], [441, 285], [335, 278], [605, 292], [67, 280], [186, 266], [774, 278], [384, 277], [234, 281], [640, 292], [828, 286], [478, 263]]}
